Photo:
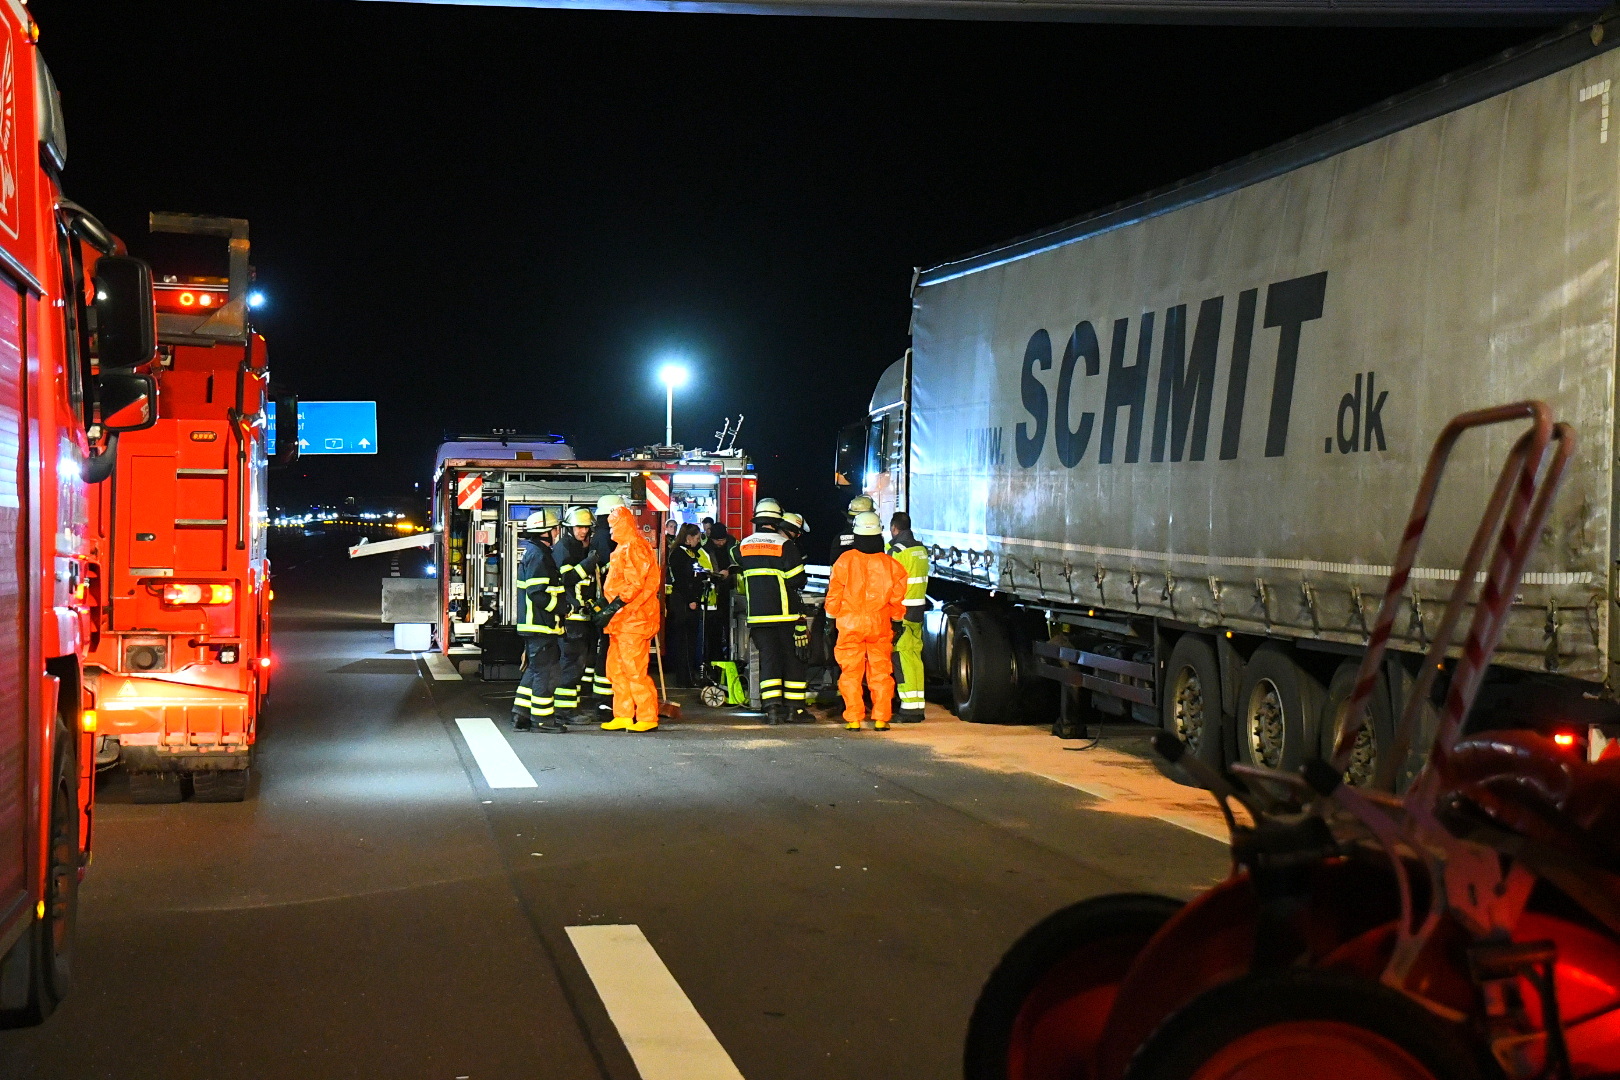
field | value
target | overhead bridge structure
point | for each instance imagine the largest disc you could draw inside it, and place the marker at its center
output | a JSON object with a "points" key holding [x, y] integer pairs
{"points": [[1240, 12]]}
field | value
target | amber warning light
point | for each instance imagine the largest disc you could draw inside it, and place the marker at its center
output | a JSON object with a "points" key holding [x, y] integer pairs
{"points": [[182, 593], [1564, 738]]}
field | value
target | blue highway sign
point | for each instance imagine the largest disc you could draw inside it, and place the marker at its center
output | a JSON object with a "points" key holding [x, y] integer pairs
{"points": [[331, 427]]}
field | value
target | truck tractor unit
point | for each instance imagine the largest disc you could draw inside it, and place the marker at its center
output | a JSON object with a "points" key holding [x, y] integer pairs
{"points": [[76, 325], [1160, 455], [183, 662]]}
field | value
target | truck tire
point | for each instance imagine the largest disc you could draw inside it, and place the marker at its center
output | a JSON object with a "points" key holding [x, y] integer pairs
{"points": [[1376, 735], [219, 785], [1031, 1019], [1266, 1025], [152, 788], [1191, 708], [38, 971], [1279, 708], [984, 685]]}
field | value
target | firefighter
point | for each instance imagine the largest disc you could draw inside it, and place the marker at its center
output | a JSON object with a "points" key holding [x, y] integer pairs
{"points": [[793, 527], [914, 557], [601, 550], [544, 605], [579, 634], [860, 504], [772, 575], [632, 591], [865, 594]]}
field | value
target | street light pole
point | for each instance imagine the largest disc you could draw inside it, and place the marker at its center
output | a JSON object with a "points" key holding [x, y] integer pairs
{"points": [[671, 375]]}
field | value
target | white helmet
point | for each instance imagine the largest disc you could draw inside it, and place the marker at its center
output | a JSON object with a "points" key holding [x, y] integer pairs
{"points": [[540, 521], [861, 504], [607, 504], [795, 521], [577, 516], [868, 524], [767, 509]]}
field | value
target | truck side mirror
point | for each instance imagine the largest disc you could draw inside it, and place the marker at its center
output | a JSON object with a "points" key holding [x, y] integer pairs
{"points": [[126, 315], [128, 401]]}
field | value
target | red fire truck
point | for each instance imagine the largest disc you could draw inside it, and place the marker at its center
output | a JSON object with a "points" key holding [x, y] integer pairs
{"points": [[182, 662], [76, 319]]}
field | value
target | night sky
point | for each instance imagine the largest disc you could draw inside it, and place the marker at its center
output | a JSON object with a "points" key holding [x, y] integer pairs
{"points": [[501, 218]]}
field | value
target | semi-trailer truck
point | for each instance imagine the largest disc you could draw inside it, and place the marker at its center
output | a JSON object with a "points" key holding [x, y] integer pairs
{"points": [[76, 322], [1161, 454], [182, 661]]}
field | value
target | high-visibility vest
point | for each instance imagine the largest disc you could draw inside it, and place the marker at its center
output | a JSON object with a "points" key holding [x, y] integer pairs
{"points": [[915, 559]]}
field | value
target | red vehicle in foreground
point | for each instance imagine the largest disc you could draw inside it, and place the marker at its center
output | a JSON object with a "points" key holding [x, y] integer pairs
{"points": [[182, 662], [1469, 928], [70, 300]]}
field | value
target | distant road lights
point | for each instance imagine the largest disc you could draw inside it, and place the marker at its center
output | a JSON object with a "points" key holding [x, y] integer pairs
{"points": [[672, 375], [256, 299]]}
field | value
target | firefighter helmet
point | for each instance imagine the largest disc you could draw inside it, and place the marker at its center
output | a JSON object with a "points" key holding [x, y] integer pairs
{"points": [[767, 510], [861, 504], [868, 523], [795, 522], [541, 520], [577, 516], [607, 504]]}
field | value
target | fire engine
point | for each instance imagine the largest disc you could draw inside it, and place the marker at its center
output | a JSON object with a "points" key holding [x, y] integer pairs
{"points": [[76, 320], [486, 486], [182, 662]]}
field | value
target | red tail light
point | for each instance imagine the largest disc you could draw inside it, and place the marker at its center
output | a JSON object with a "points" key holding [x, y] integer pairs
{"points": [[184, 593], [1564, 738]]}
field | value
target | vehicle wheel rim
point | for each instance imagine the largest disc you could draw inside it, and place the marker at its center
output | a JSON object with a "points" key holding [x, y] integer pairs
{"points": [[1289, 1050], [964, 672], [1266, 724], [1363, 757], [1187, 707]]}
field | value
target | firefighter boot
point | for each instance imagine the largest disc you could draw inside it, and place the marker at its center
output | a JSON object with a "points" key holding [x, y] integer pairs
{"points": [[521, 722]]}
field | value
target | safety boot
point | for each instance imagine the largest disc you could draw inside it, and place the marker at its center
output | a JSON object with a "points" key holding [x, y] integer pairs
{"points": [[880, 725], [643, 725], [552, 728], [521, 723], [852, 725], [581, 717], [801, 716], [618, 723], [776, 713]]}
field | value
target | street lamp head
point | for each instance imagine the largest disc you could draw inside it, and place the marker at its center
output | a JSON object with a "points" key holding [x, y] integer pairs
{"points": [[673, 375]]}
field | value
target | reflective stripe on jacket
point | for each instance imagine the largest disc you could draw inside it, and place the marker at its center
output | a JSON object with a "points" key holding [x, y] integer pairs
{"points": [[772, 575], [540, 590], [914, 557], [580, 586]]}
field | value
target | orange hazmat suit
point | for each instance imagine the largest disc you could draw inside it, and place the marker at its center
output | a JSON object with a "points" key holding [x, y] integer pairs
{"points": [[634, 577], [865, 594]]}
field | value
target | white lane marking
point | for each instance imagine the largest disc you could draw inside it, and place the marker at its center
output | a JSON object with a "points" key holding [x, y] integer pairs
{"points": [[495, 756], [660, 1026], [440, 668], [1095, 789], [1213, 830]]}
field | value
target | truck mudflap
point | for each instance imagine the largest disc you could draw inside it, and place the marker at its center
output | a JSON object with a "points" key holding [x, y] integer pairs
{"points": [[163, 759]]}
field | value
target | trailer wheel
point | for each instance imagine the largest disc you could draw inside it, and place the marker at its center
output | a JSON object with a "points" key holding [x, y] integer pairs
{"points": [[1297, 1021], [39, 968], [1377, 732], [1278, 709], [1043, 1008], [219, 785], [983, 685], [152, 788], [1192, 699]]}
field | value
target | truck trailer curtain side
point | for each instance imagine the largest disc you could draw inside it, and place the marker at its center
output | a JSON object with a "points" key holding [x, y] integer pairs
{"points": [[1214, 410]]}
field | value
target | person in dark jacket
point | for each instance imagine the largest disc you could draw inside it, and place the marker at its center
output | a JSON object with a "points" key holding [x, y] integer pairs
{"points": [[722, 550], [543, 604], [578, 644], [685, 594]]}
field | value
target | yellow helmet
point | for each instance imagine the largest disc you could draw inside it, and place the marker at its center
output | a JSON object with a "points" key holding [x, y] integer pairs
{"points": [[768, 509], [607, 504], [868, 523], [795, 521], [540, 521], [861, 504], [577, 516]]}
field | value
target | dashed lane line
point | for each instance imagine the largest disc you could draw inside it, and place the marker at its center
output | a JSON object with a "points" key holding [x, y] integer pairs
{"points": [[440, 667], [496, 759], [658, 1023]]}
